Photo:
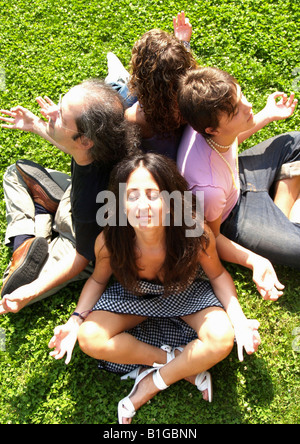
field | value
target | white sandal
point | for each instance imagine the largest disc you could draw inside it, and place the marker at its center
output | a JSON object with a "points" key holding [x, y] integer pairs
{"points": [[125, 407], [131, 375], [203, 380], [170, 355], [134, 373]]}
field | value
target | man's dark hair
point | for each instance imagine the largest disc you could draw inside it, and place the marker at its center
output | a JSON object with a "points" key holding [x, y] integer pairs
{"points": [[102, 121]]}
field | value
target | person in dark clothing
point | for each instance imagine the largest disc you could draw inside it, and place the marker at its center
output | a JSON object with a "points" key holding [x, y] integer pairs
{"points": [[89, 125]]}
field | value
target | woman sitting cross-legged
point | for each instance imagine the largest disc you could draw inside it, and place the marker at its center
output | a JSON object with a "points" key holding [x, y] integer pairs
{"points": [[171, 288]]}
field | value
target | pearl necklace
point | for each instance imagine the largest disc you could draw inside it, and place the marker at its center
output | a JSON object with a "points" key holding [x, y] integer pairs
{"points": [[213, 145], [217, 145]]}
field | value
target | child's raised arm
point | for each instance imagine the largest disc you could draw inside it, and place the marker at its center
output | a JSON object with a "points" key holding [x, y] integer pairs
{"points": [[274, 110]]}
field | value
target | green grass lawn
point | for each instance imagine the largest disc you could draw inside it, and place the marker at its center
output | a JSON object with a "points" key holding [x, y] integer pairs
{"points": [[45, 48]]}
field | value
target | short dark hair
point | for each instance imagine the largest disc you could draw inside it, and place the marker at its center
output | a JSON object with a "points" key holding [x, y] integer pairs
{"points": [[103, 121], [204, 94]]}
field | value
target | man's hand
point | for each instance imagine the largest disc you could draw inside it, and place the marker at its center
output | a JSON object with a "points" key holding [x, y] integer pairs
{"points": [[18, 299], [46, 105], [182, 27], [19, 118]]}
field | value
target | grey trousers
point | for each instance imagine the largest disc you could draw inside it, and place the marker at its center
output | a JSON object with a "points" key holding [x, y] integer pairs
{"points": [[21, 219]]}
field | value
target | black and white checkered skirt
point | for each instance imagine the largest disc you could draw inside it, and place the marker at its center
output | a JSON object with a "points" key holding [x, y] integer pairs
{"points": [[164, 324]]}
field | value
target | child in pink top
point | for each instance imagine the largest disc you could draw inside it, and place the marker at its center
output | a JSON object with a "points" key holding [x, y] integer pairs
{"points": [[248, 205], [204, 170]]}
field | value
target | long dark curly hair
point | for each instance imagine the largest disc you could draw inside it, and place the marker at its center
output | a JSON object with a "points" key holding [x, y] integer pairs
{"points": [[158, 60], [181, 262]]}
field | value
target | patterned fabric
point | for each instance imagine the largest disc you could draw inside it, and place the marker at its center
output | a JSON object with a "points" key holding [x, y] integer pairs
{"points": [[196, 297], [163, 325]]}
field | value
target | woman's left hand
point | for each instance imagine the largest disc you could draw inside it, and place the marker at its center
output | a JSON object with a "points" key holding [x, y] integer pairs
{"points": [[64, 340]]}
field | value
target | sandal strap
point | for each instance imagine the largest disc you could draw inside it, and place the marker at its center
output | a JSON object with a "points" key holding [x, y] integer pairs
{"points": [[168, 350], [201, 381], [171, 356], [126, 408], [158, 381]]}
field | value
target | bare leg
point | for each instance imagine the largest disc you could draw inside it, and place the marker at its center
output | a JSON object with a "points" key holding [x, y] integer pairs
{"points": [[295, 212], [215, 342], [102, 336], [287, 194]]}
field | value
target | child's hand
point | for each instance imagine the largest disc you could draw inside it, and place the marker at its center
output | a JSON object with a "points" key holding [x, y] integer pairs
{"points": [[280, 109]]}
